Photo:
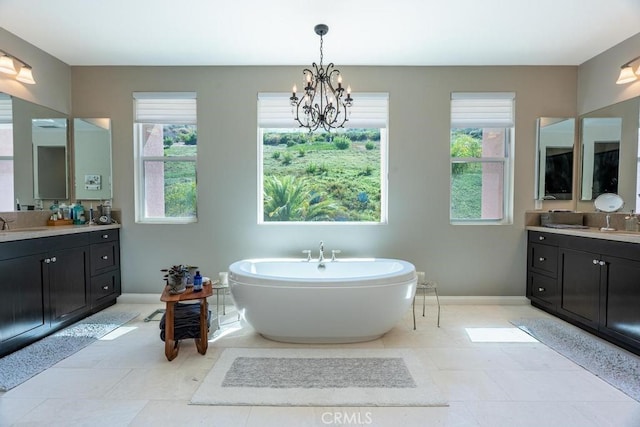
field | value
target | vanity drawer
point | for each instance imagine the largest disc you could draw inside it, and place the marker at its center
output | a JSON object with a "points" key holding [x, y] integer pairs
{"points": [[542, 288], [105, 285], [543, 238], [107, 235], [104, 256], [543, 258]]}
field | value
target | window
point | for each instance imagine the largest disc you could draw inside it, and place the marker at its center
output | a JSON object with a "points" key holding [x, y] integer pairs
{"points": [[482, 133], [6, 154], [165, 150], [322, 177]]}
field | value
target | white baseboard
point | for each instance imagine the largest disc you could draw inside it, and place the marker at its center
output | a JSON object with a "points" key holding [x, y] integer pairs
{"points": [[134, 298]]}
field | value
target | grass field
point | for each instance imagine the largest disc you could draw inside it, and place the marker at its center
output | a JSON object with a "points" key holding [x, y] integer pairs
{"points": [[349, 179]]}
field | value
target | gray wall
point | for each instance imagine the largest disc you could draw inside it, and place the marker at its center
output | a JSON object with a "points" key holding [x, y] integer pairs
{"points": [[466, 260], [597, 77], [52, 76]]}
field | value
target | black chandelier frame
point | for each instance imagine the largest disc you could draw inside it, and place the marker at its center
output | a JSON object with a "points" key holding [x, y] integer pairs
{"points": [[322, 104]]}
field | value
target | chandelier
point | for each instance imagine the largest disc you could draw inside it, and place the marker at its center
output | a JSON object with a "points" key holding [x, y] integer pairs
{"points": [[322, 104]]}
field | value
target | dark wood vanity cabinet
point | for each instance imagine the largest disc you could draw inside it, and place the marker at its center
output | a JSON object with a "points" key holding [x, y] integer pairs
{"points": [[596, 284], [66, 267], [542, 269], [105, 267], [50, 282]]}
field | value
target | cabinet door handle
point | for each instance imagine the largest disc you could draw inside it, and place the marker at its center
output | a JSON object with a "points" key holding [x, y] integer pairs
{"points": [[47, 260], [53, 259], [540, 237], [105, 257], [595, 262], [105, 287], [541, 289], [541, 259], [105, 236], [601, 262]]}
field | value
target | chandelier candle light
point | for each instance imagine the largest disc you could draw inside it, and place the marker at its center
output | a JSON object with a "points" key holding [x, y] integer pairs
{"points": [[322, 104]]}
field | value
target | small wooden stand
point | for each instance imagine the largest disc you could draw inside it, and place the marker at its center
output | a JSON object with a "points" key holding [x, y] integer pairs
{"points": [[51, 222], [171, 346]]}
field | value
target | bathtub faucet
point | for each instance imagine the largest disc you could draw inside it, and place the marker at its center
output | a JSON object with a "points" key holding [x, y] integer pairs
{"points": [[321, 254]]}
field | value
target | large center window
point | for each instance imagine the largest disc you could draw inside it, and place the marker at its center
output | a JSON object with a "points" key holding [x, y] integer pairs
{"points": [[331, 177]]}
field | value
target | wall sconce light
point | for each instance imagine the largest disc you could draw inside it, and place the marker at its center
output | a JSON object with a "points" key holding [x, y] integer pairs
{"points": [[627, 75], [7, 66]]}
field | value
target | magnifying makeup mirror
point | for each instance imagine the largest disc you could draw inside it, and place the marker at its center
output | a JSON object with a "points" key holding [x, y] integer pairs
{"points": [[608, 202]]}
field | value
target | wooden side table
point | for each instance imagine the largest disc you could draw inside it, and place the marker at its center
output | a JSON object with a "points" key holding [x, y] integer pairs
{"points": [[171, 346]]}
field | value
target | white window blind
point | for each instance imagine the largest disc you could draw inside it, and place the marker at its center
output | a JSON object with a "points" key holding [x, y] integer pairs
{"points": [[482, 110], [165, 107], [370, 110], [6, 111]]}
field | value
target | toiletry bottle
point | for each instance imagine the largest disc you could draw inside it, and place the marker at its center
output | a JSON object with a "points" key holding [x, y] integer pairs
{"points": [[54, 208], [197, 282], [78, 213], [631, 222], [65, 211]]}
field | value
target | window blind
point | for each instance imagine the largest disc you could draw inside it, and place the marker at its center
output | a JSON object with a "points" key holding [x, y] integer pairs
{"points": [[370, 110], [165, 107], [482, 110], [6, 110]]}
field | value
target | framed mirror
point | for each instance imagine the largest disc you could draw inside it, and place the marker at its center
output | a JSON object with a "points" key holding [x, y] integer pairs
{"points": [[50, 166], [627, 115], [600, 145], [92, 158], [554, 162], [17, 154]]}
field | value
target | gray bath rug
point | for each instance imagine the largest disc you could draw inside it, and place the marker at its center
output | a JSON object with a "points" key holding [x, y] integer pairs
{"points": [[19, 366], [613, 364], [318, 377]]}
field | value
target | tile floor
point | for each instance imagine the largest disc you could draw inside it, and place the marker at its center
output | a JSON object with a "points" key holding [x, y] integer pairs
{"points": [[128, 382]]}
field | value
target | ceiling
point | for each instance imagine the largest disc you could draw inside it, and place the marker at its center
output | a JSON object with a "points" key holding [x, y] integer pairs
{"points": [[361, 32]]}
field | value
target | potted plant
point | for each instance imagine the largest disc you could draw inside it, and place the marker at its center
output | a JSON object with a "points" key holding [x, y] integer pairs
{"points": [[177, 277]]}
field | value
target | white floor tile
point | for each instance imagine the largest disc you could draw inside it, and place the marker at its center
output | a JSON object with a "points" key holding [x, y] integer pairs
{"points": [[129, 382]]}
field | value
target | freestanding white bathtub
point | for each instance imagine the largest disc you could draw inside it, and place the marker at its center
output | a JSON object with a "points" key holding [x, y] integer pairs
{"points": [[349, 300]]}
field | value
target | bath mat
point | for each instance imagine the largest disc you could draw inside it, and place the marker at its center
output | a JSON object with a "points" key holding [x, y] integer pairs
{"points": [[611, 363], [19, 366], [317, 377]]}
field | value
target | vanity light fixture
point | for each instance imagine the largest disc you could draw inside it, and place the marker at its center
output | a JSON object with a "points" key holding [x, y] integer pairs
{"points": [[321, 104], [627, 75], [7, 66]]}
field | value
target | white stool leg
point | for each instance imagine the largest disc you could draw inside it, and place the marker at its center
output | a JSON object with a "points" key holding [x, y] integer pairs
{"points": [[438, 301], [413, 309]]}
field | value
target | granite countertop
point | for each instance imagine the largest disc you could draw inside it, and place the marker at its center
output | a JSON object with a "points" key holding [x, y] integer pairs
{"points": [[593, 233], [48, 231]]}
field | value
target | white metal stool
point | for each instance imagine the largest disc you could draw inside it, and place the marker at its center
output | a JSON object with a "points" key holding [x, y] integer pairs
{"points": [[424, 287]]}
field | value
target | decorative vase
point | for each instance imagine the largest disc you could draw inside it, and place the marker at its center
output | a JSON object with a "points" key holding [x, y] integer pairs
{"points": [[177, 285]]}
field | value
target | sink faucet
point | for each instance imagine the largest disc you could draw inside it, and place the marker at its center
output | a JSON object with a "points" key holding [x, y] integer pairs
{"points": [[5, 224], [321, 255]]}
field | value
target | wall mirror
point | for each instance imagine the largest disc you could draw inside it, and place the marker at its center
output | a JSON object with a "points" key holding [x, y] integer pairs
{"points": [[17, 173], [628, 112], [555, 147], [92, 158], [601, 138], [49, 137]]}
